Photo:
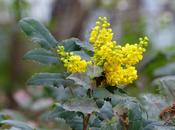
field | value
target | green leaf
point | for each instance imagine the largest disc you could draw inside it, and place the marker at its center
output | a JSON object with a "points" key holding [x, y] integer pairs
{"points": [[94, 71], [85, 45], [74, 44], [11, 115], [83, 55], [95, 122], [62, 125], [101, 93], [153, 105], [17, 124], [135, 117], [38, 33], [62, 93], [70, 117], [133, 109], [70, 45], [84, 105], [106, 111], [166, 85], [81, 79], [49, 79], [111, 124], [42, 56], [158, 125]]}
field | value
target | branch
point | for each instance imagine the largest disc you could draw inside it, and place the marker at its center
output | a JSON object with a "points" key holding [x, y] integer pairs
{"points": [[86, 121]]}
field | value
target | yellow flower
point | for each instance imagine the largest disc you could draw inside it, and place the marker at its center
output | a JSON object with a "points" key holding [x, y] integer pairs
{"points": [[72, 62], [121, 76], [117, 61], [101, 33]]}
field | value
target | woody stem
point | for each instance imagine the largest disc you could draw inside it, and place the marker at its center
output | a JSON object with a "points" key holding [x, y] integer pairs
{"points": [[86, 121]]}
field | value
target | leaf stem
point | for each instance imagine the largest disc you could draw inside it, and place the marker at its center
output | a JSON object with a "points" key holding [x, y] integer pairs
{"points": [[86, 121]]}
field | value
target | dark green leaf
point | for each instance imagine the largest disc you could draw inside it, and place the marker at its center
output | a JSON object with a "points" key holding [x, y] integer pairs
{"points": [[70, 117], [153, 105], [42, 56], [17, 124], [85, 45], [101, 93], [84, 105], [111, 124], [62, 93], [83, 55], [133, 110], [38, 33], [94, 71], [70, 45], [106, 111], [49, 79], [166, 84], [158, 126], [81, 79], [95, 122]]}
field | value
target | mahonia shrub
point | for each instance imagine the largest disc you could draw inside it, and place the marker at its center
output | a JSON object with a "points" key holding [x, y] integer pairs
{"points": [[90, 80]]}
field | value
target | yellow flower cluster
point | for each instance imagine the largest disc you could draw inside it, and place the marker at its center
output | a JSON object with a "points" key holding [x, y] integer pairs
{"points": [[121, 76], [72, 62], [117, 61]]}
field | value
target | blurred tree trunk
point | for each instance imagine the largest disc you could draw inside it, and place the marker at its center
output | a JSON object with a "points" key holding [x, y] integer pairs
{"points": [[132, 27], [68, 17], [133, 12], [15, 55]]}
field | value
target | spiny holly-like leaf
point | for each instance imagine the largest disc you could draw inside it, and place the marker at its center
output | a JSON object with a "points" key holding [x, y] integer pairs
{"points": [[153, 105], [166, 85], [74, 44], [133, 110], [38, 33], [95, 122], [17, 124], [83, 55], [85, 45], [81, 79], [158, 125], [42, 56], [70, 45], [101, 93], [106, 111], [135, 117], [62, 125], [84, 105], [70, 117], [94, 71], [62, 93], [49, 79]]}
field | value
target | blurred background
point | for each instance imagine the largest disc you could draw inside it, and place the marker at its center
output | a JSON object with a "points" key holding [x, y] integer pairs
{"points": [[130, 19]]}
